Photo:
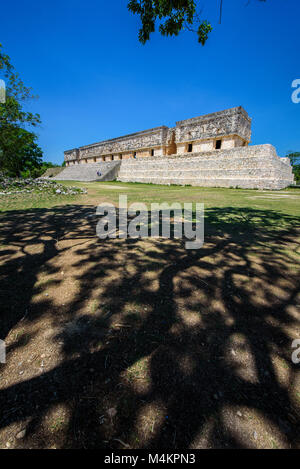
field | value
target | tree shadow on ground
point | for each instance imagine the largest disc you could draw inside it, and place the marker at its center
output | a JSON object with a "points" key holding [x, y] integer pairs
{"points": [[181, 349]]}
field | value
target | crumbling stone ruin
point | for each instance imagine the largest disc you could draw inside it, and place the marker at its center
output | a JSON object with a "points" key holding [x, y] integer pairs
{"points": [[210, 151]]}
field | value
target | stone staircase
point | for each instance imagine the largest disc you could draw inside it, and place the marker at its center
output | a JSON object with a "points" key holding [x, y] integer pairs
{"points": [[88, 172], [252, 167]]}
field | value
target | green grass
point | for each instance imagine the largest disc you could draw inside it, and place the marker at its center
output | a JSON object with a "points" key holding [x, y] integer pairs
{"points": [[211, 197], [285, 202], [33, 200]]}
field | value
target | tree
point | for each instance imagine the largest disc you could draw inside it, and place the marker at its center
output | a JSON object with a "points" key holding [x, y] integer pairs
{"points": [[20, 151], [18, 146], [294, 157], [173, 17]]}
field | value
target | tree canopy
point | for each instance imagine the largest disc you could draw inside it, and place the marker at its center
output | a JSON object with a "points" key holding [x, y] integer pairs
{"points": [[18, 146], [294, 157], [173, 16]]}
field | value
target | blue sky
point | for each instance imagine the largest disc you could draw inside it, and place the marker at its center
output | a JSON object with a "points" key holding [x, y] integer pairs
{"points": [[96, 81]]}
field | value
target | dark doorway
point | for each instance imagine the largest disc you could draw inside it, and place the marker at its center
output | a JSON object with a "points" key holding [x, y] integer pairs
{"points": [[218, 144]]}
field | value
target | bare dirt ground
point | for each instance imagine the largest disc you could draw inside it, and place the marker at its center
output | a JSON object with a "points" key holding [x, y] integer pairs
{"points": [[143, 344]]}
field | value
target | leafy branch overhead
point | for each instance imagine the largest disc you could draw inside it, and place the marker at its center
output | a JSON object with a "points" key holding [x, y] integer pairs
{"points": [[173, 17]]}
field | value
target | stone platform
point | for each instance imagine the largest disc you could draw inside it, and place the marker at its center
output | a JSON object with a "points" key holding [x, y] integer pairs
{"points": [[252, 167]]}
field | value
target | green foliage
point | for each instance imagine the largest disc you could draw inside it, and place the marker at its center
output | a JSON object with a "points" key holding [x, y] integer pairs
{"points": [[173, 17], [12, 112], [296, 171], [38, 171], [294, 157], [19, 150]]}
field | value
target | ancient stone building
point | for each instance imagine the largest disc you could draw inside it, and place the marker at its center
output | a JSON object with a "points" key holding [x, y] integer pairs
{"points": [[210, 150]]}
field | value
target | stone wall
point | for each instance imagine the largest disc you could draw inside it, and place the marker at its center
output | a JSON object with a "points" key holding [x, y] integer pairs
{"points": [[255, 167], [252, 167], [138, 144], [232, 127], [232, 122]]}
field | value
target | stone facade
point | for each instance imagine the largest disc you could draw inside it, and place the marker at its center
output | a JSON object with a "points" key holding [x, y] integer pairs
{"points": [[230, 128], [140, 144], [210, 150]]}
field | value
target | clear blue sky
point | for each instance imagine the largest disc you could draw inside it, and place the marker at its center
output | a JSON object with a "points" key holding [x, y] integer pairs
{"points": [[96, 81]]}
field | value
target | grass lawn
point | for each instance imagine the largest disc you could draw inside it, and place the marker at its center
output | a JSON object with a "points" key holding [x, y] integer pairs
{"points": [[127, 343]]}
